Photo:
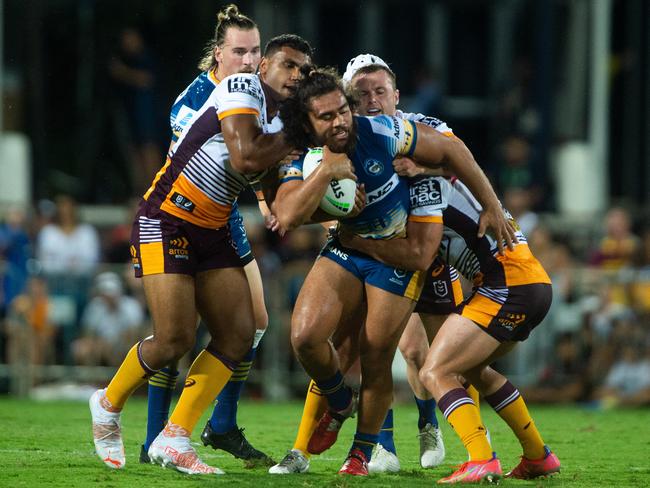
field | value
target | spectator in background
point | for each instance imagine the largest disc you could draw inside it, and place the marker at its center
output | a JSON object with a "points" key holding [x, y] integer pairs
{"points": [[519, 201], [110, 323], [619, 247], [628, 381], [67, 246], [15, 251], [565, 378], [29, 331], [68, 252], [132, 71], [515, 170]]}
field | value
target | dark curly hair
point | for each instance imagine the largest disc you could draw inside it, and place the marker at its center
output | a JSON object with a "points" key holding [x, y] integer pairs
{"points": [[294, 111]]}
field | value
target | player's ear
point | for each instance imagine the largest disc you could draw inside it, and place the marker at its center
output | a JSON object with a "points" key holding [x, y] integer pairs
{"points": [[264, 65], [396, 97], [218, 53]]}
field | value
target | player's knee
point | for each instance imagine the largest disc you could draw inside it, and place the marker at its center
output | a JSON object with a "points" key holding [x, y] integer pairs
{"points": [[414, 356], [303, 340]]}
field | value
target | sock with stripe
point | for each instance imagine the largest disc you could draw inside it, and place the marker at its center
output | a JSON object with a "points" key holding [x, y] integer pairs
{"points": [[338, 394], [132, 373], [427, 412], [386, 433], [461, 413], [510, 406], [224, 415], [159, 397], [315, 406], [207, 376], [365, 443]]}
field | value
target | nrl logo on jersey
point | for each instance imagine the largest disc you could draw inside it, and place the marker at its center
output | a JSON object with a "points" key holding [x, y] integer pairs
{"points": [[373, 167]]}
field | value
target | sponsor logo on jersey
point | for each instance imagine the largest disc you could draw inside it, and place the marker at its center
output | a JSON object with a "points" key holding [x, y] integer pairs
{"points": [[373, 167], [425, 192], [135, 260], [178, 248], [380, 193], [512, 320], [400, 273], [240, 84], [182, 202], [337, 252]]}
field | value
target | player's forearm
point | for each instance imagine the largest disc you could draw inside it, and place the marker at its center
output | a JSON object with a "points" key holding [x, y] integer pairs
{"points": [[297, 206], [464, 166], [400, 253]]}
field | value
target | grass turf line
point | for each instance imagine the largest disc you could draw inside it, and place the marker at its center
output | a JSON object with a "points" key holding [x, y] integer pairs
{"points": [[49, 444]]}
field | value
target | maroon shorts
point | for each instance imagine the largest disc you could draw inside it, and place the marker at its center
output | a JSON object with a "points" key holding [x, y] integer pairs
{"points": [[508, 313], [442, 292], [162, 243]]}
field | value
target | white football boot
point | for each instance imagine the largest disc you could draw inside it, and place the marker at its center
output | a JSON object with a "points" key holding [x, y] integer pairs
{"points": [[107, 432], [383, 461], [295, 462], [172, 449], [432, 448]]}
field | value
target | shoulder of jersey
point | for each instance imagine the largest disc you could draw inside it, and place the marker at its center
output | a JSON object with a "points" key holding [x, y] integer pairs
{"points": [[242, 83], [385, 125]]}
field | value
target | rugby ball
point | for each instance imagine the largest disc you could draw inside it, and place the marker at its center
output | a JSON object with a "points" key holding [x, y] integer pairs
{"points": [[338, 200]]}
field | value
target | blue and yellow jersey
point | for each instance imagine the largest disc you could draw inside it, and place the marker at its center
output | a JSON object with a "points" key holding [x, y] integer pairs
{"points": [[379, 140]]}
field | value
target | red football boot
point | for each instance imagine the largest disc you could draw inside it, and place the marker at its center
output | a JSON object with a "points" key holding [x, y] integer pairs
{"points": [[475, 472], [356, 464], [329, 426], [528, 469]]}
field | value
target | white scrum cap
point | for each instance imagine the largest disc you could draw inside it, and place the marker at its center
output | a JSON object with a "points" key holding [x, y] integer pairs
{"points": [[361, 61]]}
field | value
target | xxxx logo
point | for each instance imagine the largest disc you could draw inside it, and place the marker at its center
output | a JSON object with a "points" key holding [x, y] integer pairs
{"points": [[180, 242]]}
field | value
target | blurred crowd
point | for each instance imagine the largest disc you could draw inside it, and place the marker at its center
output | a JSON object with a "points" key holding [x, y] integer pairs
{"points": [[68, 296]]}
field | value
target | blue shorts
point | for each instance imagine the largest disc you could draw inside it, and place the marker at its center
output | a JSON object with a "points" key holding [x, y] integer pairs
{"points": [[368, 270], [239, 237]]}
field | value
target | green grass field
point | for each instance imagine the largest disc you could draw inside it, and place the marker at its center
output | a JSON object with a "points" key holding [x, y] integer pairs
{"points": [[49, 444]]}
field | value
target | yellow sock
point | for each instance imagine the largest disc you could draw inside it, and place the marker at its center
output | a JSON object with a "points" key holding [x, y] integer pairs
{"points": [[315, 406], [205, 379], [518, 418], [467, 423], [473, 394], [127, 379], [463, 416], [507, 402]]}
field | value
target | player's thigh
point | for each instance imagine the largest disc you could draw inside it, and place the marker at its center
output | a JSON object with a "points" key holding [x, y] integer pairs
{"points": [[431, 324], [328, 292], [224, 302], [459, 346], [171, 302], [385, 321], [254, 278]]}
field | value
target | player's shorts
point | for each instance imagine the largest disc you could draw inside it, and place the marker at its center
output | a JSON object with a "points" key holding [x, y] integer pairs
{"points": [[239, 237], [163, 243], [442, 292], [508, 313], [368, 270]]}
